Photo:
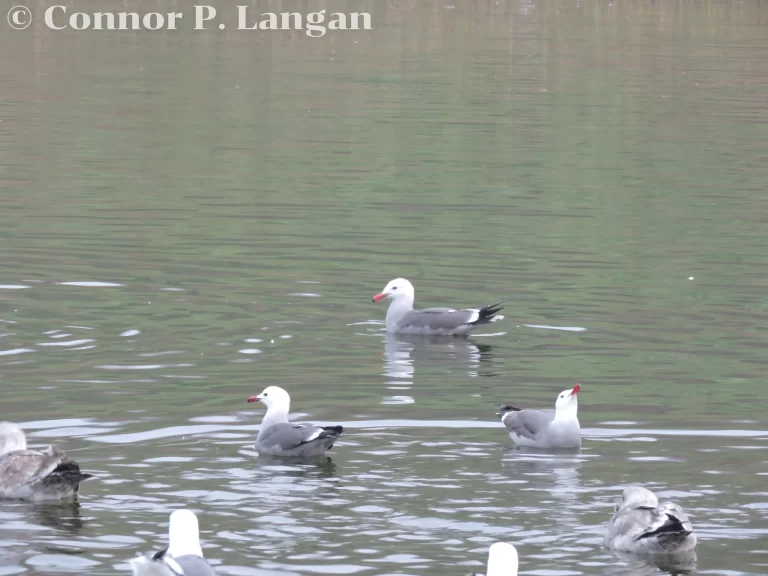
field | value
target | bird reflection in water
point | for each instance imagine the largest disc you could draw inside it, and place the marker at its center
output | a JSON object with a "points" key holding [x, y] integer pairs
{"points": [[317, 467], [558, 474], [649, 566], [64, 516], [403, 352]]}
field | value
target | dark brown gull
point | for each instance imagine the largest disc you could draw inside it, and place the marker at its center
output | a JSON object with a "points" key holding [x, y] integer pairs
{"points": [[35, 475]]}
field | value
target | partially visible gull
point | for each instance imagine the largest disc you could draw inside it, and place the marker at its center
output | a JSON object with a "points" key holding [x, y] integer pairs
{"points": [[182, 557], [502, 560]]}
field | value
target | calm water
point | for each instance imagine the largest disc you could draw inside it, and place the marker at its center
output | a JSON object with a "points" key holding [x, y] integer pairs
{"points": [[189, 217]]}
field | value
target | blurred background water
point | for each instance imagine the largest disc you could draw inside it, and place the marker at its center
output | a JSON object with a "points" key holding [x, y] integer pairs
{"points": [[188, 217]]}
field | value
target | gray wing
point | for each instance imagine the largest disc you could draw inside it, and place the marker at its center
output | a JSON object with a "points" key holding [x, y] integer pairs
{"points": [[526, 423], [27, 467], [193, 565], [290, 436], [439, 319]]}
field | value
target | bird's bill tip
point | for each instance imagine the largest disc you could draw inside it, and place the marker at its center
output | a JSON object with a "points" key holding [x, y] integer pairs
{"points": [[379, 296], [254, 399], [576, 389]]}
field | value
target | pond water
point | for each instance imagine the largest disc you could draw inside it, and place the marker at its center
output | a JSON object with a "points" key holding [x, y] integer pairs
{"points": [[189, 217]]}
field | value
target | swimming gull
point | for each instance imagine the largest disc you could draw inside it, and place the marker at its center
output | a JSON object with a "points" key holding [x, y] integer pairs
{"points": [[641, 525], [182, 557], [278, 437], [403, 319], [35, 475], [502, 560], [558, 428]]}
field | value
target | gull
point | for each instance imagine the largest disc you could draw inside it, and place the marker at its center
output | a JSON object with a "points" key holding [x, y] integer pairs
{"points": [[182, 557], [403, 319], [278, 437], [641, 525], [35, 475], [558, 428]]}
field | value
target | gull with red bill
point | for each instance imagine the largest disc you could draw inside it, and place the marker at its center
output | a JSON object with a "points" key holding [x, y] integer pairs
{"points": [[403, 319], [278, 437], [558, 428]]}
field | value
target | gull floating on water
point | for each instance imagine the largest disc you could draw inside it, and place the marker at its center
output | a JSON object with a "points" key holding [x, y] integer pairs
{"points": [[403, 319], [641, 525], [278, 437], [502, 560], [182, 557], [32, 475], [558, 428]]}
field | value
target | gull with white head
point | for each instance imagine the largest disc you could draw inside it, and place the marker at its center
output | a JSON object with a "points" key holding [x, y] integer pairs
{"points": [[182, 557], [278, 437], [403, 319], [558, 428], [35, 475]]}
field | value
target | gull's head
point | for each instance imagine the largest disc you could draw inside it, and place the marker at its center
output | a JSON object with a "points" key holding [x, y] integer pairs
{"points": [[637, 497], [502, 560], [184, 534], [12, 437], [568, 399], [396, 289], [273, 396]]}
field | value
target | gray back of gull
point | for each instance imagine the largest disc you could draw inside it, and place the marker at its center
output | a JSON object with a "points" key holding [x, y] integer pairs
{"points": [[299, 440], [436, 321]]}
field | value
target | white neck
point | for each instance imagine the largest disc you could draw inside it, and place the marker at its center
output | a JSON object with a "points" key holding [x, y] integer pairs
{"points": [[184, 536], [568, 412], [502, 560], [399, 308], [177, 549], [275, 415]]}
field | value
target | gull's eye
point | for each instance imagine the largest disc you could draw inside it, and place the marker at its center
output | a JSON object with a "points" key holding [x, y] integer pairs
{"points": [[266, 393], [394, 287]]}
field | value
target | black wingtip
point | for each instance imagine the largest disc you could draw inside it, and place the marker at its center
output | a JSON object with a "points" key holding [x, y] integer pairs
{"points": [[488, 313], [332, 431], [673, 525], [160, 554], [506, 408]]}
